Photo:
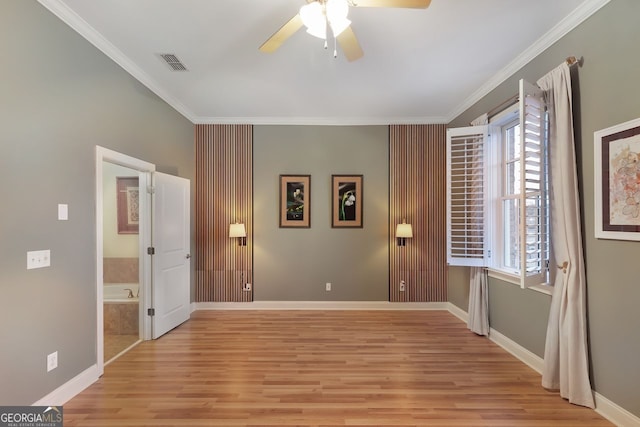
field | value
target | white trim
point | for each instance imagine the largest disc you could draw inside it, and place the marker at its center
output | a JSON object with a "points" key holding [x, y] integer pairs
{"points": [[71, 388], [504, 276], [614, 413], [72, 19], [324, 121], [542, 288], [458, 312], [321, 305], [534, 361], [605, 407], [580, 14]]}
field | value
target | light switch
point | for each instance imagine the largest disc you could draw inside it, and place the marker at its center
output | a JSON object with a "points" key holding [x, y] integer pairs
{"points": [[63, 212], [38, 259]]}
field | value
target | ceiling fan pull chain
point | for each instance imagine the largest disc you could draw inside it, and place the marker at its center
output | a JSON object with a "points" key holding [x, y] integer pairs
{"points": [[325, 43], [335, 47]]}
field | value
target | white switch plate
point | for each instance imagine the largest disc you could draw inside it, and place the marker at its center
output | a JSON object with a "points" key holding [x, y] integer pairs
{"points": [[247, 287], [402, 286], [328, 287], [52, 361], [63, 212], [38, 259]]}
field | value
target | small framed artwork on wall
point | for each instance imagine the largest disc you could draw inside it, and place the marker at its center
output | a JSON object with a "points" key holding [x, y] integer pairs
{"points": [[617, 181], [346, 201], [295, 201], [127, 204]]}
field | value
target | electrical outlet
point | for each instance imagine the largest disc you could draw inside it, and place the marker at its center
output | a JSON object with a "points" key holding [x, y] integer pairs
{"points": [[328, 287], [402, 286], [52, 361], [38, 259], [247, 287]]}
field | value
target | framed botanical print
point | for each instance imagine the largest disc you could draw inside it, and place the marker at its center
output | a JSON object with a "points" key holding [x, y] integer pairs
{"points": [[617, 181], [346, 201], [295, 201]]}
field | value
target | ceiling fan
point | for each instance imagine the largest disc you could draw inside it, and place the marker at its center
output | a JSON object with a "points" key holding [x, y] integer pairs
{"points": [[319, 15]]}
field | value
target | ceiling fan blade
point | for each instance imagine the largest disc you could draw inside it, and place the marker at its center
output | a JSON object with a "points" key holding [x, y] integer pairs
{"points": [[412, 4], [279, 37], [349, 44]]}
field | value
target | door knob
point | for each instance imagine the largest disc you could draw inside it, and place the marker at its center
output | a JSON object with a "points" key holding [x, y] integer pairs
{"points": [[188, 256]]}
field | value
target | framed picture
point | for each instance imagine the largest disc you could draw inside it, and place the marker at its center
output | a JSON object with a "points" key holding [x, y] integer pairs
{"points": [[295, 201], [346, 201], [127, 204], [617, 181]]}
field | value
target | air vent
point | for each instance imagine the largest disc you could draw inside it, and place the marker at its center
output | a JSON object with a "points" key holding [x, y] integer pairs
{"points": [[173, 62]]}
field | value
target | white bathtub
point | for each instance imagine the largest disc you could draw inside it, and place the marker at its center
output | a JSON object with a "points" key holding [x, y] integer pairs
{"points": [[118, 293]]}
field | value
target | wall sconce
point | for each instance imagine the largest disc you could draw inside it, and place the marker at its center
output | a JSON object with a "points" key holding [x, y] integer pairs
{"points": [[238, 231], [403, 232]]}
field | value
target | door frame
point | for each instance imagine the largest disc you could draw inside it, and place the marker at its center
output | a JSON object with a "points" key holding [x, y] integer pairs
{"points": [[145, 169]]}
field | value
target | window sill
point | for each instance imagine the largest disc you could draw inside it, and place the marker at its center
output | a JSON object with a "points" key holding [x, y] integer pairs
{"points": [[542, 288], [503, 275], [514, 279]]}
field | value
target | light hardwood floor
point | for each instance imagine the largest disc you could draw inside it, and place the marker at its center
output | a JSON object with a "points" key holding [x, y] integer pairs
{"points": [[114, 344], [321, 368]]}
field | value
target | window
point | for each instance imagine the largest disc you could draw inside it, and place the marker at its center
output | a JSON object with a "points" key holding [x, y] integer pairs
{"points": [[509, 139], [498, 213]]}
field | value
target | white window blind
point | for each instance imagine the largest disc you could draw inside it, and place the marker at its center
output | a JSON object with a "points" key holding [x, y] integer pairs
{"points": [[466, 196], [533, 202]]}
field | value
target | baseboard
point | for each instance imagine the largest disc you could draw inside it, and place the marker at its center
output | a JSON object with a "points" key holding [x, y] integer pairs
{"points": [[71, 388], [534, 361], [321, 305], [606, 408], [531, 359], [614, 413], [458, 312]]}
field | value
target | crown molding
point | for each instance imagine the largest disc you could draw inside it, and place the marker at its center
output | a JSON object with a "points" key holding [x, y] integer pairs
{"points": [[320, 121], [571, 21], [73, 20]]}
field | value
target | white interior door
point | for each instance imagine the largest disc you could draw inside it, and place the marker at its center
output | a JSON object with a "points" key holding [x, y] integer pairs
{"points": [[171, 262]]}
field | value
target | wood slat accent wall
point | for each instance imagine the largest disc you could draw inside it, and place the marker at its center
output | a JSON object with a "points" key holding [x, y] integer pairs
{"points": [[417, 168], [224, 195]]}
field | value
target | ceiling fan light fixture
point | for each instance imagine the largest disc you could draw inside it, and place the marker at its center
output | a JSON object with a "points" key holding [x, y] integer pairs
{"points": [[319, 31], [312, 16], [339, 26], [337, 10]]}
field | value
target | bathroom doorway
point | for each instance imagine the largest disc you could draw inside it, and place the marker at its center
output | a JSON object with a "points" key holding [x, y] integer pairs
{"points": [[120, 259], [164, 302]]}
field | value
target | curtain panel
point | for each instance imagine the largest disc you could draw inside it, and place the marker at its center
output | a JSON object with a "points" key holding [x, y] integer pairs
{"points": [[566, 359]]}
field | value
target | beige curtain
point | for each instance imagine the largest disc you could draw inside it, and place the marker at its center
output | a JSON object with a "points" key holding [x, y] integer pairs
{"points": [[566, 359], [478, 310]]}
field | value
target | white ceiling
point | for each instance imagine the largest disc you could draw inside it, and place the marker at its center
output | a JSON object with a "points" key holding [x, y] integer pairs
{"points": [[419, 66]]}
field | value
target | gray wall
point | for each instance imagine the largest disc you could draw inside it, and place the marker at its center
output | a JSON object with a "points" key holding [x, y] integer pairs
{"points": [[295, 264], [59, 98], [609, 94]]}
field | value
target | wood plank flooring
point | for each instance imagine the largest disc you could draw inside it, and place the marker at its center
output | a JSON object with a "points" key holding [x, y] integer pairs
{"points": [[321, 368], [114, 344]]}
